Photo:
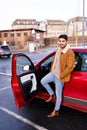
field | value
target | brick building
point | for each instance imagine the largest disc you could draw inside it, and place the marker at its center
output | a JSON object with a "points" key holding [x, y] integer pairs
{"points": [[55, 27], [45, 32], [20, 38], [75, 25]]}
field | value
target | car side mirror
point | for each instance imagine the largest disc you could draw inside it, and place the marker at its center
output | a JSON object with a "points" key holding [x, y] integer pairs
{"points": [[25, 68]]}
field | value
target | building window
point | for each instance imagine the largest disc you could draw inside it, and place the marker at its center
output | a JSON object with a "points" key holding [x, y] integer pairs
{"points": [[18, 34], [25, 34], [5, 35], [19, 43], [12, 34], [12, 43], [26, 43], [0, 35]]}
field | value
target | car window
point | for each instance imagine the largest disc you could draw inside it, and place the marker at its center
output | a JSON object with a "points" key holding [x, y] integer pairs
{"points": [[80, 61], [84, 61], [5, 47], [46, 65], [22, 62]]}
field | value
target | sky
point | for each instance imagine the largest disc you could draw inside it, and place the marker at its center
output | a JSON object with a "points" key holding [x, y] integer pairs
{"points": [[10, 10]]}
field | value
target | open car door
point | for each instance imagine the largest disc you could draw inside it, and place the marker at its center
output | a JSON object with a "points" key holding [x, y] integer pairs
{"points": [[23, 82]]}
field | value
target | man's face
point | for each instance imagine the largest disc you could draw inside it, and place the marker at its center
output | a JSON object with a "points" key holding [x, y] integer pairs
{"points": [[62, 43]]}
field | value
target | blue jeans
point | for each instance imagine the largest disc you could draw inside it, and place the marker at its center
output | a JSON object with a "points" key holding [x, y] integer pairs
{"points": [[51, 77]]}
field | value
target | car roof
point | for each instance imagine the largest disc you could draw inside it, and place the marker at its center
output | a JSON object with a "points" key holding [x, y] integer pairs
{"points": [[79, 49]]}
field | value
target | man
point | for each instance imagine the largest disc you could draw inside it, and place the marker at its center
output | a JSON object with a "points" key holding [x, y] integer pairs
{"points": [[62, 66]]}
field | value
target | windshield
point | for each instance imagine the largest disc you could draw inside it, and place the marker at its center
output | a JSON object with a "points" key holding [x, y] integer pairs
{"points": [[5, 47]]}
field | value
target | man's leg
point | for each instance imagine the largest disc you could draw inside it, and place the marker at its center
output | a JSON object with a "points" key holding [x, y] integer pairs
{"points": [[59, 87], [46, 80]]}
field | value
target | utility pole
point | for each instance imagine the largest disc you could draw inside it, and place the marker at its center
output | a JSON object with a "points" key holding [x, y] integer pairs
{"points": [[83, 22]]}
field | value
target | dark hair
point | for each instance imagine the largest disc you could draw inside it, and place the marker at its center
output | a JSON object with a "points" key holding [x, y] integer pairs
{"points": [[64, 36]]}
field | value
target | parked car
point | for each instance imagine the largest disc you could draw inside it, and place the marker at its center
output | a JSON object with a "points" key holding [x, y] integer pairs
{"points": [[5, 51], [26, 78]]}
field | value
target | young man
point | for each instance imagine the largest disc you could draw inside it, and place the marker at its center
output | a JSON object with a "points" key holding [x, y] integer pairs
{"points": [[60, 73]]}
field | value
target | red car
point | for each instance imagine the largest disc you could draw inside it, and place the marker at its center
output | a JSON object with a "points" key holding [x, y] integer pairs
{"points": [[26, 78]]}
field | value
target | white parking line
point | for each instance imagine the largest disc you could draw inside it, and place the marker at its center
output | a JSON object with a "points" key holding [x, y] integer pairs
{"points": [[24, 120], [5, 88], [5, 74]]}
